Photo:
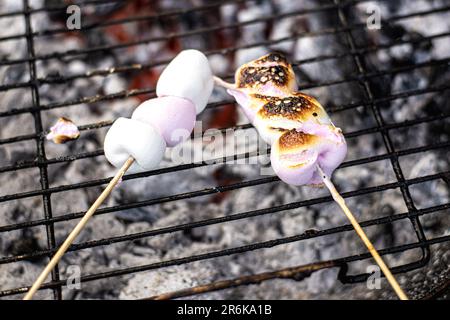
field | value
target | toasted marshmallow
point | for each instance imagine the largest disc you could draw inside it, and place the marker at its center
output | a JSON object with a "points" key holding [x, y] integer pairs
{"points": [[64, 130], [187, 76], [173, 117], [296, 154], [249, 105], [279, 114], [132, 138], [268, 75], [296, 125]]}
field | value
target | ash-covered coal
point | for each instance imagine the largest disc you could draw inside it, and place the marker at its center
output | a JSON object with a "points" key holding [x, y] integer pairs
{"points": [[69, 77]]}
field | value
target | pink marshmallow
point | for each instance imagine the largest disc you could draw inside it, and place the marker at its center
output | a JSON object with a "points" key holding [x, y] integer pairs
{"points": [[174, 117], [301, 175], [244, 101], [300, 167]]}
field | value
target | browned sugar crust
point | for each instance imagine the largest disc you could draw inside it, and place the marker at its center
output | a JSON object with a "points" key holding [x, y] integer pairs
{"points": [[294, 107], [255, 76], [273, 57], [59, 139], [291, 107], [293, 139]]}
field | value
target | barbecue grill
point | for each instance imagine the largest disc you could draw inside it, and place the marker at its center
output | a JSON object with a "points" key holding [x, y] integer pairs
{"points": [[366, 99]]}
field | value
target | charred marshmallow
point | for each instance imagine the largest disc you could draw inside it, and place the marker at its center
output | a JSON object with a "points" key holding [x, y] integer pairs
{"points": [[296, 125]]}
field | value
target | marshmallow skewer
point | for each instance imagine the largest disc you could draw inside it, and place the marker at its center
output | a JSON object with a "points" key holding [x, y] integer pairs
{"points": [[76, 231], [306, 146], [138, 144], [341, 202]]}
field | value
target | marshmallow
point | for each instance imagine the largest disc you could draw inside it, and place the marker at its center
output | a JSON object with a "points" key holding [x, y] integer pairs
{"points": [[296, 154], [296, 125], [137, 139], [188, 76], [64, 130], [289, 112], [244, 100], [269, 75], [174, 117]]}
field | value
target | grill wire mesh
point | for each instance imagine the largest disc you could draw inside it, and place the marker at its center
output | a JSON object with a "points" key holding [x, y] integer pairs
{"points": [[361, 78]]}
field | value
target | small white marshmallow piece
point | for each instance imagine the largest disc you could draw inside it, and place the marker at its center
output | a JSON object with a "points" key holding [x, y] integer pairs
{"points": [[143, 142], [187, 76]]}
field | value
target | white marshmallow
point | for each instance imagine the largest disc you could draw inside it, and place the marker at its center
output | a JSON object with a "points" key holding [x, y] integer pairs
{"points": [[187, 76], [134, 138]]}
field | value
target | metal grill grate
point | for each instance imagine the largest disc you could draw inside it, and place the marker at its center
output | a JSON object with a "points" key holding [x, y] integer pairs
{"points": [[362, 78]]}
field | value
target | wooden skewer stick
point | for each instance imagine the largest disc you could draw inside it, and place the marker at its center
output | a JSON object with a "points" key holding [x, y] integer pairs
{"points": [[76, 231], [341, 202], [224, 84]]}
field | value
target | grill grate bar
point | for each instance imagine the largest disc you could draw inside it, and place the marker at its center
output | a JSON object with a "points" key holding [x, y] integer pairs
{"points": [[97, 182], [296, 273], [71, 216], [179, 12], [356, 77], [31, 11], [146, 91], [91, 154], [50, 231], [165, 14], [246, 215], [401, 95], [367, 88], [199, 31], [106, 23], [227, 252], [140, 67], [64, 54]]}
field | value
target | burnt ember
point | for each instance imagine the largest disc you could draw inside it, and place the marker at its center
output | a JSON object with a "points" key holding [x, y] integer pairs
{"points": [[230, 218]]}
